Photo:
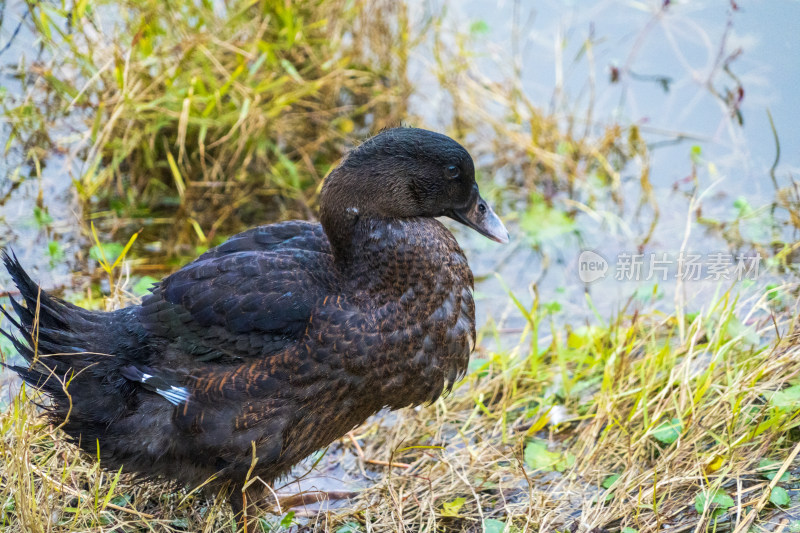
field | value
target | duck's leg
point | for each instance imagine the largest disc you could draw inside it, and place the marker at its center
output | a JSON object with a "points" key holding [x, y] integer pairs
{"points": [[238, 502], [244, 502]]}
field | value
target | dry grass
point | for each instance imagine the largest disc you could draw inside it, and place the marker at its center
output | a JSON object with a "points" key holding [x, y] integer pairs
{"points": [[571, 433]]}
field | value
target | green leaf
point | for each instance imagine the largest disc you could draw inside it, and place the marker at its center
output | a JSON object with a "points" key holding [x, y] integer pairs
{"points": [[60, 86], [182, 523], [479, 367], [769, 468], [628, 530], [349, 527], [567, 460], [585, 336], [55, 252], [180, 184], [452, 508], [668, 432], [479, 27], [41, 217], [718, 501], [787, 399], [648, 293], [538, 457], [606, 484], [743, 206], [122, 500], [794, 526], [125, 249], [552, 307], [772, 292], [779, 497], [105, 518], [736, 328], [543, 223], [286, 521], [143, 285], [111, 489], [610, 480], [490, 525], [112, 251], [565, 148]]}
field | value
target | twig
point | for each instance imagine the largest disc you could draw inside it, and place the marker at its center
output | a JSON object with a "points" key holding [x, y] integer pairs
{"points": [[360, 453], [751, 516], [305, 498], [777, 150], [16, 32], [388, 463]]}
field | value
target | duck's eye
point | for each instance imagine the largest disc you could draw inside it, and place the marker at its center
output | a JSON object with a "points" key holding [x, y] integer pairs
{"points": [[453, 171]]}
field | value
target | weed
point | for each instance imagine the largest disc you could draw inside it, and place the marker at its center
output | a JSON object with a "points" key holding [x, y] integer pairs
{"points": [[217, 117]]}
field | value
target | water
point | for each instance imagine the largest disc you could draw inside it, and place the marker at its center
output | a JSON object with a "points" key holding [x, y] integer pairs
{"points": [[40, 217], [690, 44]]}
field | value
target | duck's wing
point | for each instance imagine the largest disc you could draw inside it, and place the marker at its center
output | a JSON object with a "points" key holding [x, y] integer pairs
{"points": [[291, 235], [250, 297]]}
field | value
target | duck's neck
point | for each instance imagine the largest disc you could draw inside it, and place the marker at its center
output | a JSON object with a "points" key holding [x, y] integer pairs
{"points": [[386, 257]]}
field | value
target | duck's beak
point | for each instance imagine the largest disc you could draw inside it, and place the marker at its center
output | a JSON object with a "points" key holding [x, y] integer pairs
{"points": [[480, 217]]}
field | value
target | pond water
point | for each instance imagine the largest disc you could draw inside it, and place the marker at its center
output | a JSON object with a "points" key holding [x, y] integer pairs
{"points": [[689, 44], [37, 206], [646, 43]]}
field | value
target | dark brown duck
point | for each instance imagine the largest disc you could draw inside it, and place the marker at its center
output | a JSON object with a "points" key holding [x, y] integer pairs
{"points": [[282, 339]]}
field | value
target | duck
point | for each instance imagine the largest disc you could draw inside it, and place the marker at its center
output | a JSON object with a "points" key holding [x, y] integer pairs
{"points": [[282, 339]]}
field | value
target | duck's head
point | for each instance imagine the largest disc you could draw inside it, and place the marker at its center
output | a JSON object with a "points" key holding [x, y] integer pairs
{"points": [[404, 173]]}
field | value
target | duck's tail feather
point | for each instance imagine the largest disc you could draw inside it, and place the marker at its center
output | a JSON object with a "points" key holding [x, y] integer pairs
{"points": [[58, 341]]}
